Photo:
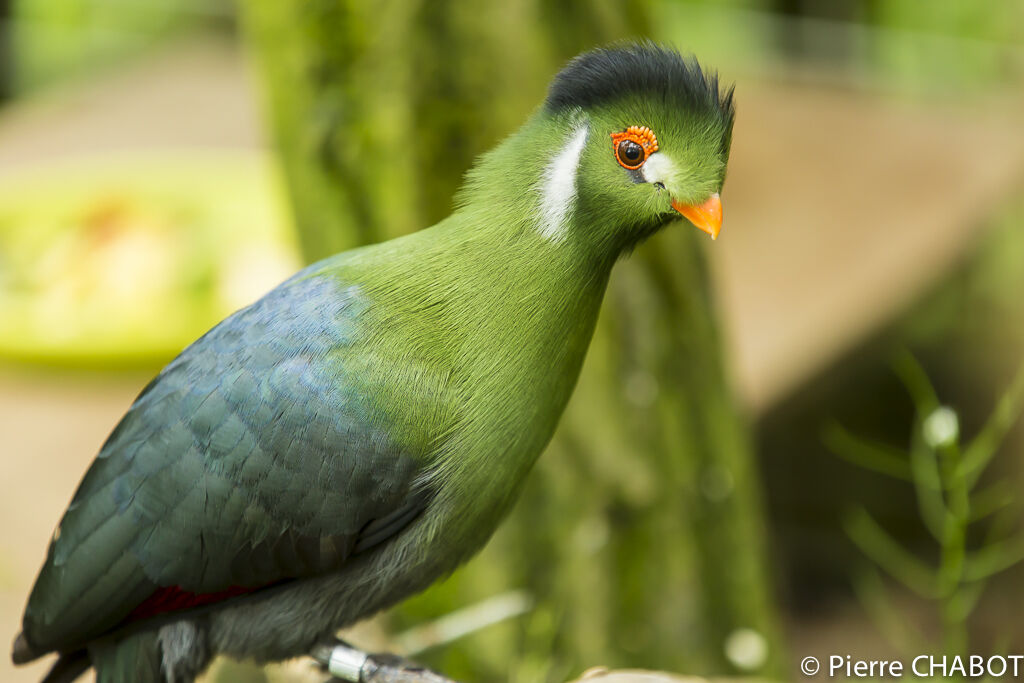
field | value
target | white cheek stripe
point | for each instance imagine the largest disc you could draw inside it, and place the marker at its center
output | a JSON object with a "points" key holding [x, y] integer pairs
{"points": [[657, 169], [558, 190]]}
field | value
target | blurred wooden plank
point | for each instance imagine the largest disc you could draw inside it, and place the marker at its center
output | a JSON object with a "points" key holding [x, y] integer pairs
{"points": [[603, 675], [195, 95], [841, 207]]}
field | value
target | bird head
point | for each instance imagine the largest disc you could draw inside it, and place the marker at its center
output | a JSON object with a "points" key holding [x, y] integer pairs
{"points": [[628, 139], [649, 132]]}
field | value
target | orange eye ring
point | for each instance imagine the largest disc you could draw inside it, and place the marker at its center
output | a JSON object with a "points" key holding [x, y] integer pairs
{"points": [[633, 146]]}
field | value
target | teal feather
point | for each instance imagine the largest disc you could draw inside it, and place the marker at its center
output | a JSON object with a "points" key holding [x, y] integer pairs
{"points": [[262, 482]]}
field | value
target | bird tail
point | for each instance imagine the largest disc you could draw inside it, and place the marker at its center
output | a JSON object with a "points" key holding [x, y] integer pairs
{"points": [[22, 652], [68, 667], [135, 657]]}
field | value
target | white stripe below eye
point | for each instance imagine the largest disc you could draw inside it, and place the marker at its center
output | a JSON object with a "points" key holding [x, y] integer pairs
{"points": [[657, 169], [558, 191]]}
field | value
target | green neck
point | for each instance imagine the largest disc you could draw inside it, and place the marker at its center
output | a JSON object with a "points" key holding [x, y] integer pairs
{"points": [[516, 366]]}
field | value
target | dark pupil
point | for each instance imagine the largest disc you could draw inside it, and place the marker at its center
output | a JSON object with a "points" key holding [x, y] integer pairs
{"points": [[630, 152]]}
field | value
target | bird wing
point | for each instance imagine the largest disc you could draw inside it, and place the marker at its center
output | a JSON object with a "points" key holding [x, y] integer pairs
{"points": [[250, 459]]}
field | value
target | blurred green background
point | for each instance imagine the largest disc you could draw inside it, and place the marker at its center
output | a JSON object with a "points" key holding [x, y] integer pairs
{"points": [[752, 470]]}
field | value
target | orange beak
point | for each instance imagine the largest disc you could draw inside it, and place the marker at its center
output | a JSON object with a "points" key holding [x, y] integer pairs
{"points": [[706, 216]]}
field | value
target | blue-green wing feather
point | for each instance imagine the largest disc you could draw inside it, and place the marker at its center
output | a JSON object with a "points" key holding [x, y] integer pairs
{"points": [[252, 458]]}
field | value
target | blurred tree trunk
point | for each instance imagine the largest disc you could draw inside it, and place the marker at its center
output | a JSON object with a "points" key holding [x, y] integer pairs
{"points": [[641, 533], [6, 51]]}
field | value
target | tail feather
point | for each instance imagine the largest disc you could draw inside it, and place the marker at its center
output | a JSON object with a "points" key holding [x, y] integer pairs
{"points": [[69, 666], [135, 657], [22, 652]]}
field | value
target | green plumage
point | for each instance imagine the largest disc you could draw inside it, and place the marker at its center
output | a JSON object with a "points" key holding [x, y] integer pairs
{"points": [[363, 428]]}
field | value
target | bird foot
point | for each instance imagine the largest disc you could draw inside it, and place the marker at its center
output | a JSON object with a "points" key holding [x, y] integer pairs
{"points": [[350, 664]]}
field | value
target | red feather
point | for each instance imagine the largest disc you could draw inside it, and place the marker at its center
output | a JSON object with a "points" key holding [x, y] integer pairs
{"points": [[174, 598]]}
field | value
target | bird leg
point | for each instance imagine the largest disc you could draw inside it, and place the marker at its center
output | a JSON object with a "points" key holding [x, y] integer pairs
{"points": [[350, 664]]}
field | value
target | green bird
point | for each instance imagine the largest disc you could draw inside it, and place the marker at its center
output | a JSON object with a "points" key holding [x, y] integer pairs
{"points": [[361, 430]]}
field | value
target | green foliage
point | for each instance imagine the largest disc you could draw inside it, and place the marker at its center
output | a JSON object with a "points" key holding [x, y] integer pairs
{"points": [[908, 46], [947, 476], [124, 262], [55, 39], [957, 44]]}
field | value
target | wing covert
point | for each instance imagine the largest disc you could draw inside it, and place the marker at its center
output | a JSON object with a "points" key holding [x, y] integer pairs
{"points": [[252, 458]]}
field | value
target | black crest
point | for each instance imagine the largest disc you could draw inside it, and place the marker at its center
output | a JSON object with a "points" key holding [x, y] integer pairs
{"points": [[607, 74]]}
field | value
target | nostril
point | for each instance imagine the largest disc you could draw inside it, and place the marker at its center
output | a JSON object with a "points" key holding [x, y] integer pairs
{"points": [[660, 185]]}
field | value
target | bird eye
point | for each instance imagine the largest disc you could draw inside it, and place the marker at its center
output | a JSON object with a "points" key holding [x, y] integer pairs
{"points": [[630, 154], [633, 146]]}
